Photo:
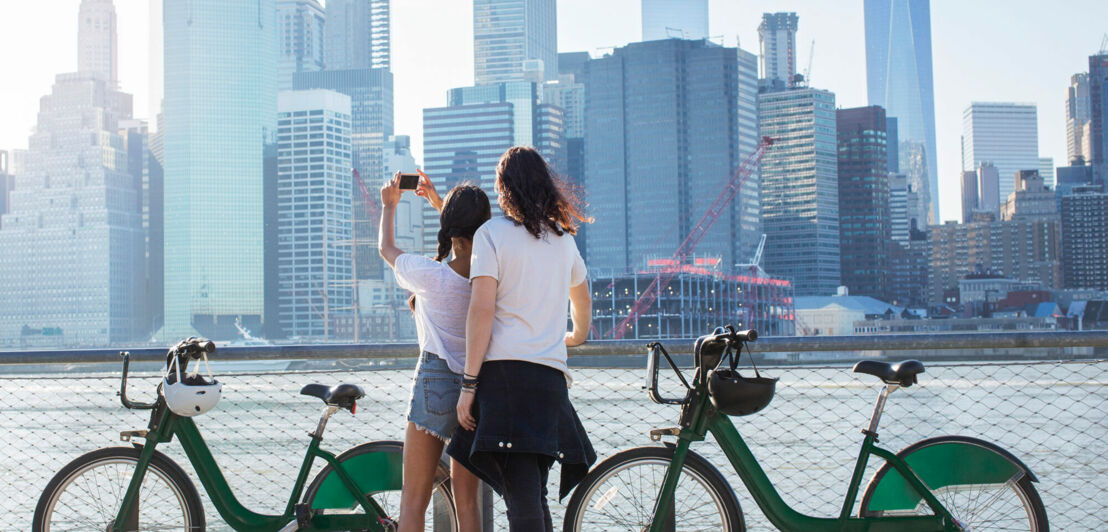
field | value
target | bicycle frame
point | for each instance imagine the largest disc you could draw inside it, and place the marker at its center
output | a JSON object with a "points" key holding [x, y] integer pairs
{"points": [[164, 424], [699, 418]]}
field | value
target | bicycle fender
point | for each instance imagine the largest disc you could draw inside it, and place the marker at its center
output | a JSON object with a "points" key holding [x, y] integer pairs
{"points": [[941, 462]]}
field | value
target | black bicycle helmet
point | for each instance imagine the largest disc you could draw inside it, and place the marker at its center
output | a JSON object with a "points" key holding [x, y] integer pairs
{"points": [[734, 394]]}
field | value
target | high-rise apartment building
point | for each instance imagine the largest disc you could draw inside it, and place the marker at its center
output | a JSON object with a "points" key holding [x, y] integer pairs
{"points": [[898, 78], [1031, 199], [777, 41], [1085, 239], [220, 132], [314, 224], [464, 140], [371, 104], [97, 46], [898, 206], [1026, 250], [865, 228], [300, 33], [1004, 134], [800, 196], [680, 19], [357, 35], [1098, 115], [1078, 113], [509, 33], [663, 138], [75, 221]]}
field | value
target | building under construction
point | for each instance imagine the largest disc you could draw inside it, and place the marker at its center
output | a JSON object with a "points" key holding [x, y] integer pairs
{"points": [[697, 299]]}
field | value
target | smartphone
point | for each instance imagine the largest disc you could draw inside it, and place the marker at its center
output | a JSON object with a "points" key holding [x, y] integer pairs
{"points": [[409, 181]]}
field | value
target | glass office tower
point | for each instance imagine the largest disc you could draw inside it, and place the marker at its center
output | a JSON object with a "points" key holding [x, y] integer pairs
{"points": [[220, 122], [508, 32], [898, 78]]}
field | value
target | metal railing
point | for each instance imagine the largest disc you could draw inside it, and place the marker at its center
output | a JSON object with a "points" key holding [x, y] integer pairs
{"points": [[1039, 395]]}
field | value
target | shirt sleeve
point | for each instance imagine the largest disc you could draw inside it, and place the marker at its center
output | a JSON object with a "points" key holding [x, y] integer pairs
{"points": [[578, 272], [483, 262], [416, 273]]}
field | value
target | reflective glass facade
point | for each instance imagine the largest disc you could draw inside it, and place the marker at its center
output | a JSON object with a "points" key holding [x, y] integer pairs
{"points": [[800, 197], [1003, 134], [357, 34], [662, 138], [898, 78], [865, 231], [314, 217], [220, 116], [508, 32], [299, 39]]}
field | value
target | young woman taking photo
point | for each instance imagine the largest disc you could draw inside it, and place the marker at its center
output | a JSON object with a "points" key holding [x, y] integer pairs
{"points": [[514, 409], [440, 298]]}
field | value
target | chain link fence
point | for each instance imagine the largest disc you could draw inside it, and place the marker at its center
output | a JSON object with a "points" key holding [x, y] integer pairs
{"points": [[1051, 414]]}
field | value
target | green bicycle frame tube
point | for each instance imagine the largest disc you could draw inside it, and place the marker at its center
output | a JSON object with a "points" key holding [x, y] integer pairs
{"points": [[705, 419], [237, 516]]}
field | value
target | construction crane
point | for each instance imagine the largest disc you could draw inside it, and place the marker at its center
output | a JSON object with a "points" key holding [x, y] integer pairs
{"points": [[695, 236], [808, 69]]}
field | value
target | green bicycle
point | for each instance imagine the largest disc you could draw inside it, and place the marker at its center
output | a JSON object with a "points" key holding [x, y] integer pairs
{"points": [[139, 488], [948, 483]]}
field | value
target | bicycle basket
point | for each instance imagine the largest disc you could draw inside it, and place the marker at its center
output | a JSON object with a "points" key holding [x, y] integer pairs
{"points": [[734, 394]]}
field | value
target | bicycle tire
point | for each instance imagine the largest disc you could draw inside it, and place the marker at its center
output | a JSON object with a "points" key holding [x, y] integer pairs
{"points": [[1019, 501], [108, 472], [442, 498], [588, 509]]}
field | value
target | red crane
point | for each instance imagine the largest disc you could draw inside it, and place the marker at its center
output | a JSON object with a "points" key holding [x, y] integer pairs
{"points": [[372, 211], [695, 236]]}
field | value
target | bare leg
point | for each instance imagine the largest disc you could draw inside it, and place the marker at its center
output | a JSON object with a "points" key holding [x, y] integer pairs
{"points": [[465, 485], [421, 458]]}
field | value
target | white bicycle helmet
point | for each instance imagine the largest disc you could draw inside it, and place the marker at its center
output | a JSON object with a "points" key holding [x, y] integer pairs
{"points": [[190, 394]]}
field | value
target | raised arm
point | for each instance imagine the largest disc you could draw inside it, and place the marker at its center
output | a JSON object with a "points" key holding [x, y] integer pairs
{"points": [[580, 304], [386, 238]]}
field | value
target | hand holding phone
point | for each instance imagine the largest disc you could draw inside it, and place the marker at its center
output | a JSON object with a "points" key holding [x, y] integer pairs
{"points": [[409, 181]]}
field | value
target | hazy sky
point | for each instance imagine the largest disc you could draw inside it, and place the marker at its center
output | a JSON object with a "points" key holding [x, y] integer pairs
{"points": [[983, 50]]}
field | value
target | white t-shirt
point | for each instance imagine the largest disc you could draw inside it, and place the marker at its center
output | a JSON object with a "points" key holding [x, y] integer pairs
{"points": [[442, 301], [532, 294]]}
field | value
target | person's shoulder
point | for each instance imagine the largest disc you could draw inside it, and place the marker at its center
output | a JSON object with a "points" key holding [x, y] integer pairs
{"points": [[497, 225], [410, 261]]}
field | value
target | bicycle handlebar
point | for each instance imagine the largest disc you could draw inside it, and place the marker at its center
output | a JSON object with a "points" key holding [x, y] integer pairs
{"points": [[730, 335], [123, 386]]}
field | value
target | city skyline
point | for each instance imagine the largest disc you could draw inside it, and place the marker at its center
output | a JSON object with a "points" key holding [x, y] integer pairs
{"points": [[426, 68]]}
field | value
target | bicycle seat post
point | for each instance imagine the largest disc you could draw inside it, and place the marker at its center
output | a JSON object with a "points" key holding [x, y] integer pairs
{"points": [[875, 420], [328, 411]]}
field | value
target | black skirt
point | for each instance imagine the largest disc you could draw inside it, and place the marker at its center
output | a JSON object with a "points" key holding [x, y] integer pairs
{"points": [[523, 407]]}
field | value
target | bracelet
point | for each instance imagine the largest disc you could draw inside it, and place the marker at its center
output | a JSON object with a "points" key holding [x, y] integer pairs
{"points": [[469, 382], [467, 375], [469, 390]]}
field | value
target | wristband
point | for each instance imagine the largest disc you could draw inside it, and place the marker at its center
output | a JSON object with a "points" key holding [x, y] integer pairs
{"points": [[469, 390], [468, 382]]}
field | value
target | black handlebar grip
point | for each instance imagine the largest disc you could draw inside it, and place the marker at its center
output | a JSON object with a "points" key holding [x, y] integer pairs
{"points": [[207, 346], [748, 335]]}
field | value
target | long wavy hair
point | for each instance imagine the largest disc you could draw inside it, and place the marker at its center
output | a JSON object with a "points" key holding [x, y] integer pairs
{"points": [[464, 209], [533, 197]]}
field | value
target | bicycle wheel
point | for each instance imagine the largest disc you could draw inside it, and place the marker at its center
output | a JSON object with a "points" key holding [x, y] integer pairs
{"points": [[377, 467], [1009, 504], [87, 493], [620, 494]]}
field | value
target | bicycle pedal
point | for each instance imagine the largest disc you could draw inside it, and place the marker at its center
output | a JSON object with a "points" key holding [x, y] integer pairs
{"points": [[128, 434], [656, 434], [304, 514]]}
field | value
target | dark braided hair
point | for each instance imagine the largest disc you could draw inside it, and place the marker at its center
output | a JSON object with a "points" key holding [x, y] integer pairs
{"points": [[465, 208], [533, 197]]}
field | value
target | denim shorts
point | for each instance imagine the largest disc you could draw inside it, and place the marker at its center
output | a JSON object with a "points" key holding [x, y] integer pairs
{"points": [[434, 402]]}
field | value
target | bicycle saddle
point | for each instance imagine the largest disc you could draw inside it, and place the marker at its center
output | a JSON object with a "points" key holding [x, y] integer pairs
{"points": [[343, 395], [903, 373]]}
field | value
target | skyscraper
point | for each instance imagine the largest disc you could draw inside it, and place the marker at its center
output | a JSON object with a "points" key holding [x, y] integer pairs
{"points": [[1004, 134], [357, 35], [898, 78], [749, 199], [1085, 239], [314, 226], [7, 182], [300, 38], [75, 221], [1078, 113], [800, 197], [97, 49], [777, 40], [865, 229], [969, 196], [682, 19], [662, 139], [1098, 115], [146, 171], [988, 188], [464, 140], [1046, 169], [220, 120], [507, 33]]}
